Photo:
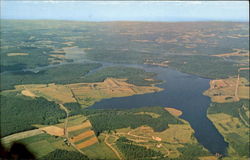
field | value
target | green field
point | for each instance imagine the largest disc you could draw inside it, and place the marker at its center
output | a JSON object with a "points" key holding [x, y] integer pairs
{"points": [[233, 124]]}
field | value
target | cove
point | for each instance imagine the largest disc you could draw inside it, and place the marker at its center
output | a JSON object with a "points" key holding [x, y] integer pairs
{"points": [[181, 91]]}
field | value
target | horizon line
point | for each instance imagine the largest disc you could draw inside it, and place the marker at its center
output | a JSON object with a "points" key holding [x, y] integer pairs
{"points": [[205, 20]]}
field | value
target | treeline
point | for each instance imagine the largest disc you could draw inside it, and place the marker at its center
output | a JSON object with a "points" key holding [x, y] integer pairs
{"points": [[134, 75], [36, 57], [192, 152], [132, 151], [245, 74], [19, 113], [74, 108], [228, 108], [59, 154], [238, 143], [63, 74], [108, 120], [205, 66]]}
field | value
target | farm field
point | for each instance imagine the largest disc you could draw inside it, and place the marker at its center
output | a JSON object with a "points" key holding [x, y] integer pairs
{"points": [[85, 94], [228, 90], [43, 144]]}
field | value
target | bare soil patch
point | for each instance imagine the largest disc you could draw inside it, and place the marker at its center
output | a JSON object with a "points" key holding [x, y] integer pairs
{"points": [[87, 143], [17, 54], [28, 93], [174, 112], [57, 55], [208, 158], [82, 136], [52, 92], [237, 52], [53, 130]]}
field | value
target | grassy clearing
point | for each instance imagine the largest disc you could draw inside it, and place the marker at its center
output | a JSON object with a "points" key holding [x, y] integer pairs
{"points": [[40, 148], [153, 115], [76, 120], [86, 124], [174, 134], [167, 141], [235, 133], [100, 150], [244, 92]]}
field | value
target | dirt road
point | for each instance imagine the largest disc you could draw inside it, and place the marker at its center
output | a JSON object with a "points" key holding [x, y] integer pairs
{"points": [[112, 148]]}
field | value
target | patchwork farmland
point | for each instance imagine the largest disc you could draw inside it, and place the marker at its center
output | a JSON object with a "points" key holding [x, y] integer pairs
{"points": [[81, 135]]}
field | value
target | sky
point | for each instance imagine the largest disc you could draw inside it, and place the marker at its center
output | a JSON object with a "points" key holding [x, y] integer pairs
{"points": [[127, 10]]}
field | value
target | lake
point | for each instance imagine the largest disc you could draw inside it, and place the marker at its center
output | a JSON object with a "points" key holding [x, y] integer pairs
{"points": [[181, 91]]}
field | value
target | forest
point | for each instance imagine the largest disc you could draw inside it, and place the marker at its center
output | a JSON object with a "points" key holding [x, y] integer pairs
{"points": [[135, 76], [187, 46], [132, 151], [111, 119], [236, 132], [62, 74], [59, 154], [192, 151], [19, 113], [228, 108]]}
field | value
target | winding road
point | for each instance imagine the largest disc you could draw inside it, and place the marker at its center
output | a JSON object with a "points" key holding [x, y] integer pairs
{"points": [[112, 148]]}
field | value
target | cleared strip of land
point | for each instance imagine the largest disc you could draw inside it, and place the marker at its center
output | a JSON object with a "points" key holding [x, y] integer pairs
{"points": [[82, 136], [17, 54], [53, 130], [21, 135], [87, 143]]}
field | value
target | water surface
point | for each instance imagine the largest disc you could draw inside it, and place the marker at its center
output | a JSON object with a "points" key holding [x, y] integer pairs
{"points": [[181, 91]]}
